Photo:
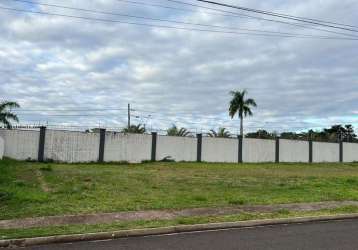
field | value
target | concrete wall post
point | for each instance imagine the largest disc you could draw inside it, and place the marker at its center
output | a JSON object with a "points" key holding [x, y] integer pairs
{"points": [[102, 141], [199, 147], [310, 151], [341, 151], [240, 148], [41, 152], [154, 146], [277, 150]]}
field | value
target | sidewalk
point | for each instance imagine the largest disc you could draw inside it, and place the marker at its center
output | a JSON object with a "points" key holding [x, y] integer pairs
{"points": [[103, 218]]}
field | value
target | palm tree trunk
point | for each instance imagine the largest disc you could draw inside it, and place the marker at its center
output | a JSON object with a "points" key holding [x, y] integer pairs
{"points": [[242, 126]]}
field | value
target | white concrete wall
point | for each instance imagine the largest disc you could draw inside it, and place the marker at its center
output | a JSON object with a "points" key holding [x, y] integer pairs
{"points": [[66, 146], [21, 144], [294, 151], [127, 147], [1, 147], [179, 148], [219, 150], [325, 152], [350, 152], [258, 150]]}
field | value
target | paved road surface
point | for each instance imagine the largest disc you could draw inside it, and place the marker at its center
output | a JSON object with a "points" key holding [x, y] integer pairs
{"points": [[338, 235]]}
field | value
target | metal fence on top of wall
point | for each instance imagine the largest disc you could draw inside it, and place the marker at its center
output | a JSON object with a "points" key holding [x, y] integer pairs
{"points": [[74, 146]]}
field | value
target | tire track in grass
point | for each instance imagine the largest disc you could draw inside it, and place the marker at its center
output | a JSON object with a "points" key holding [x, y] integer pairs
{"points": [[41, 180]]}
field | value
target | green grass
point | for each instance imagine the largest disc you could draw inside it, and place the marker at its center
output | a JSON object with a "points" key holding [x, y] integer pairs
{"points": [[29, 189], [78, 229]]}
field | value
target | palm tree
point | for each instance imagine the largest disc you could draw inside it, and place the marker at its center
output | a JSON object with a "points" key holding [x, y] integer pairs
{"points": [[135, 129], [175, 131], [222, 132], [241, 106], [6, 115]]}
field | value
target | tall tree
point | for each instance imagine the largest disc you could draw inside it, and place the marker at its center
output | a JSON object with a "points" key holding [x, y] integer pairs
{"points": [[350, 135], [222, 132], [6, 114], [135, 129], [175, 131], [241, 106]]}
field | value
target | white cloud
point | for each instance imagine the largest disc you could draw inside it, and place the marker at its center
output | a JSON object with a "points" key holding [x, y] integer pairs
{"points": [[54, 62]]}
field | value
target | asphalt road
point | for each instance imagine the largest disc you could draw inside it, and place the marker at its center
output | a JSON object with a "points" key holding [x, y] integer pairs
{"points": [[338, 235]]}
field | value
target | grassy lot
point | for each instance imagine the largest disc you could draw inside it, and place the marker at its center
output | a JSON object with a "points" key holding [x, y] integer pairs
{"points": [[33, 189]]}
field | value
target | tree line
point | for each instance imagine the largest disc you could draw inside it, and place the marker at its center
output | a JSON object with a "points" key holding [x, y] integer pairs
{"points": [[332, 134]]}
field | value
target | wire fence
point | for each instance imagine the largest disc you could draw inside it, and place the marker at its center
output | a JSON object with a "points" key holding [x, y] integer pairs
{"points": [[193, 132]]}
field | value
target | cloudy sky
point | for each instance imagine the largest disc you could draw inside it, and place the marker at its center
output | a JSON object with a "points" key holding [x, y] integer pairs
{"points": [[92, 69]]}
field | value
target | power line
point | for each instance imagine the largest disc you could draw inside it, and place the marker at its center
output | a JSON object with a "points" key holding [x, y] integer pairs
{"points": [[187, 114], [72, 110], [155, 19], [190, 114], [256, 17], [313, 19], [320, 23], [263, 126], [61, 115], [297, 18], [181, 28], [171, 120], [163, 26], [224, 124], [175, 8], [104, 110], [304, 18]]}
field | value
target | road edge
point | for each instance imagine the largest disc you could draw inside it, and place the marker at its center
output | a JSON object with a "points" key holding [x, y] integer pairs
{"points": [[167, 230]]}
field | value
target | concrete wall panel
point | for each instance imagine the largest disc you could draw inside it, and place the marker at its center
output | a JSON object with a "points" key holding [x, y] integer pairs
{"points": [[2, 145], [179, 148], [127, 147], [220, 150], [66, 146], [294, 151], [325, 152], [258, 150], [350, 152], [21, 144]]}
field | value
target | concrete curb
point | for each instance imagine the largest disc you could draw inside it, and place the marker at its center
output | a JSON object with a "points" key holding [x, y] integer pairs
{"points": [[166, 230]]}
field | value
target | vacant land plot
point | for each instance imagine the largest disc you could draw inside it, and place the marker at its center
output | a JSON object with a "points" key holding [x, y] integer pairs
{"points": [[33, 189]]}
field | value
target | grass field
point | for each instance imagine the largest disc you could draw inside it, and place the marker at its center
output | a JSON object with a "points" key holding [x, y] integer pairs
{"points": [[34, 189]]}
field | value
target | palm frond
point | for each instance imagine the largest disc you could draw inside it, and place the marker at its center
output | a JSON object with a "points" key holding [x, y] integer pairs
{"points": [[175, 131], [222, 132], [5, 122], [212, 133], [8, 105], [183, 132], [10, 116], [247, 111], [135, 129], [6, 115], [250, 102]]}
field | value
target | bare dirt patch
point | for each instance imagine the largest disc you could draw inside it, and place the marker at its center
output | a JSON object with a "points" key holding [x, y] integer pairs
{"points": [[164, 214]]}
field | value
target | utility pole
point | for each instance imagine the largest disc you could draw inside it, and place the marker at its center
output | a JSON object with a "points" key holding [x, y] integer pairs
{"points": [[129, 116]]}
